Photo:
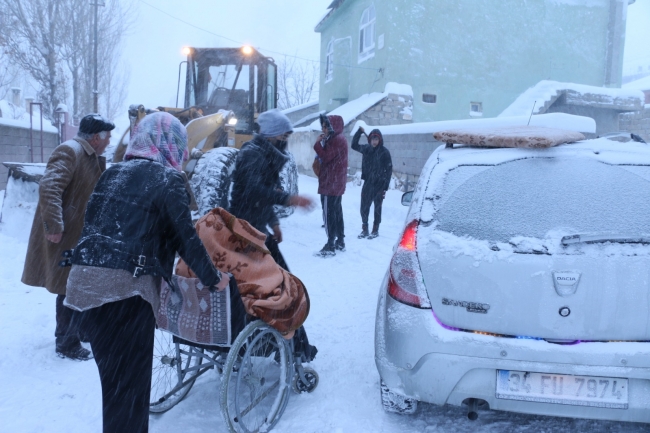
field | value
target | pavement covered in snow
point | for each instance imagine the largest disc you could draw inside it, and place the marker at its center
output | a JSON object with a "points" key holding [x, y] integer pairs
{"points": [[42, 393]]}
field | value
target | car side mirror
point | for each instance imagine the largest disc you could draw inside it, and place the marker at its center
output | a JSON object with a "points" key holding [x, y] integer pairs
{"points": [[407, 198]]}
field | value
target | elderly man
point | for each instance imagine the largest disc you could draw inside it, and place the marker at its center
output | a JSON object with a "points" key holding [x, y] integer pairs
{"points": [[256, 180], [70, 177]]}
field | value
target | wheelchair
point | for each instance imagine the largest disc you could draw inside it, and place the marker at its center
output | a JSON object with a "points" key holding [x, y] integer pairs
{"points": [[258, 372]]}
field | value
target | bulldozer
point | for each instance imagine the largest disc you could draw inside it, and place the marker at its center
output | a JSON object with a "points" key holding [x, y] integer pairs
{"points": [[225, 90]]}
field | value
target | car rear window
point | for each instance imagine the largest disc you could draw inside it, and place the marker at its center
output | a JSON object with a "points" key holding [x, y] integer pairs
{"points": [[534, 196]]}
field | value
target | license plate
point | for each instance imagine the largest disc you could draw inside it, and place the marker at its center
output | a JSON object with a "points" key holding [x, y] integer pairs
{"points": [[607, 392]]}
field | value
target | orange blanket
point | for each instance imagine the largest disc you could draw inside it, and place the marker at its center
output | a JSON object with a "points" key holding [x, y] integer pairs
{"points": [[268, 291]]}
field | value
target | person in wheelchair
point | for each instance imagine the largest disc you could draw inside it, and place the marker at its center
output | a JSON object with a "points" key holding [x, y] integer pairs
{"points": [[255, 190], [137, 219]]}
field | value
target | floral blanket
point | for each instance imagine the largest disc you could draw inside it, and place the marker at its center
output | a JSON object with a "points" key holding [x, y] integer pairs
{"points": [[268, 291]]}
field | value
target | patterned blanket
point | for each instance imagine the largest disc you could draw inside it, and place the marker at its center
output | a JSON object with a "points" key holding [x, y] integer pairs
{"points": [[511, 136], [268, 291], [194, 313]]}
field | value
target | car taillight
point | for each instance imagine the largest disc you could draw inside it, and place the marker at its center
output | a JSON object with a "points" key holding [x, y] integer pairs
{"points": [[405, 280]]}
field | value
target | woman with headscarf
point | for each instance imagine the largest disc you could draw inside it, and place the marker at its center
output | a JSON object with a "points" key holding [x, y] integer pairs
{"points": [[137, 219]]}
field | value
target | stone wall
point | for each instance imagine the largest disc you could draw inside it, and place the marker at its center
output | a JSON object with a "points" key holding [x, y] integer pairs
{"points": [[392, 110], [637, 123], [15, 147]]}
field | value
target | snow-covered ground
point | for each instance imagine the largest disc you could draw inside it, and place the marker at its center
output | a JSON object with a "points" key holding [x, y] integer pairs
{"points": [[42, 393]]}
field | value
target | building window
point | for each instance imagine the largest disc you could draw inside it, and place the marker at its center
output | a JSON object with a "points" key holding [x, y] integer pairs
{"points": [[476, 109], [429, 98], [367, 34], [329, 62]]}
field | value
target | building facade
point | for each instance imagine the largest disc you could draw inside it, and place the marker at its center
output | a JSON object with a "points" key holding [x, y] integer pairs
{"points": [[467, 58]]}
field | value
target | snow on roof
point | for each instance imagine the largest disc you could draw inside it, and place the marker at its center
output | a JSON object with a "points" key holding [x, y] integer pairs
{"points": [[564, 121], [352, 109], [546, 90], [330, 9], [640, 84], [300, 107], [522, 136], [47, 126], [309, 117]]}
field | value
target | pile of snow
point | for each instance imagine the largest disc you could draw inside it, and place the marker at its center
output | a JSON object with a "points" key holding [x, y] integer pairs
{"points": [[564, 121], [546, 90], [352, 109]]}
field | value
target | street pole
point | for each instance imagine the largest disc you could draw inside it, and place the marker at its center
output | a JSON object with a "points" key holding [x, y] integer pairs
{"points": [[95, 84]]}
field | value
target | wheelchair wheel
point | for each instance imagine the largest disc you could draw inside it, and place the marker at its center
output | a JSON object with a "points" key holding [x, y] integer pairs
{"points": [[175, 367], [255, 386], [299, 386]]}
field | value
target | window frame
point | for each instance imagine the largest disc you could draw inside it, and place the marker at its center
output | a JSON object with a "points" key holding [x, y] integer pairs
{"points": [[478, 113], [367, 24], [329, 62]]}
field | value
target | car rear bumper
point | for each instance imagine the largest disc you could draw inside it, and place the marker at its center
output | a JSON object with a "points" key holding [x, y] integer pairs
{"points": [[419, 358]]}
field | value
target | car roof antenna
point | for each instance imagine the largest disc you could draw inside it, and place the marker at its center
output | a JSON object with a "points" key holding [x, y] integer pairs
{"points": [[531, 113]]}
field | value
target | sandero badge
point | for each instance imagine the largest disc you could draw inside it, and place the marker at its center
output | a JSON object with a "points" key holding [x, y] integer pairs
{"points": [[566, 282], [471, 307]]}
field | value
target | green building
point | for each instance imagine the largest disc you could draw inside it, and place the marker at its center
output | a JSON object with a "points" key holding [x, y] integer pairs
{"points": [[467, 58]]}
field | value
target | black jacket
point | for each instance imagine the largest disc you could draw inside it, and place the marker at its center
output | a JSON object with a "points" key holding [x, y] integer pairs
{"points": [[376, 163], [256, 183], [137, 218]]}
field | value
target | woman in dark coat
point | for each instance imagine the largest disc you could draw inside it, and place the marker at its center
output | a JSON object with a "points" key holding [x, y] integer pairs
{"points": [[137, 219]]}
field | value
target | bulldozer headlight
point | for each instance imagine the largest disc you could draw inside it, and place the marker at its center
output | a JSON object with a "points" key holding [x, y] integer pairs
{"points": [[232, 121], [247, 50]]}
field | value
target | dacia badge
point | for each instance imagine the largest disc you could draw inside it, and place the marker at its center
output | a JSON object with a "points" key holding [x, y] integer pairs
{"points": [[566, 282]]}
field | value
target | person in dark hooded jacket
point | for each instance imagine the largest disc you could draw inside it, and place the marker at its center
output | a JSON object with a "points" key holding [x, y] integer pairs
{"points": [[332, 151], [376, 172], [256, 180]]}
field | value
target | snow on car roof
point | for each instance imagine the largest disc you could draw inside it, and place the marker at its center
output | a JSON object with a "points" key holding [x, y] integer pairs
{"points": [[513, 136]]}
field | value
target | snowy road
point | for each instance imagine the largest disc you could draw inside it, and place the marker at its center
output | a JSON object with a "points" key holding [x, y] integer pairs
{"points": [[42, 393]]}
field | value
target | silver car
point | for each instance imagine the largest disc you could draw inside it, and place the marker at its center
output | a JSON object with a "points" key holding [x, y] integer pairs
{"points": [[521, 283]]}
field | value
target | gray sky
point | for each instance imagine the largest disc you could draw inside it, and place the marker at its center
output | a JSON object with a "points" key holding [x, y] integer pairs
{"points": [[153, 47], [637, 47]]}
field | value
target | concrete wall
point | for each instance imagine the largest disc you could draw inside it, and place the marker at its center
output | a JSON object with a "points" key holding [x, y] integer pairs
{"points": [[463, 51], [637, 123], [15, 147]]}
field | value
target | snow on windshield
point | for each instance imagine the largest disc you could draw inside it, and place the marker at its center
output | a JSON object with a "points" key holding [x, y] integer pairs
{"points": [[528, 204]]}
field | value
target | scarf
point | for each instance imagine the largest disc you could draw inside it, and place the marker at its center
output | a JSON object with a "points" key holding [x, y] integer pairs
{"points": [[159, 137]]}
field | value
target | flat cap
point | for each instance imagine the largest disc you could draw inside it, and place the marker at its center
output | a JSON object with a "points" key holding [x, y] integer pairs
{"points": [[94, 123]]}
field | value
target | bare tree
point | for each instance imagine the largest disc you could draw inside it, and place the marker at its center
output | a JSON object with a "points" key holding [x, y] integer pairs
{"points": [[114, 19], [8, 74], [52, 41], [297, 82], [31, 32]]}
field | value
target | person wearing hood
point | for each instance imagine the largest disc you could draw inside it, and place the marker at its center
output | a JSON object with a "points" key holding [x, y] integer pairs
{"points": [[137, 219], [332, 151], [256, 180], [376, 172]]}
